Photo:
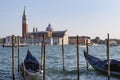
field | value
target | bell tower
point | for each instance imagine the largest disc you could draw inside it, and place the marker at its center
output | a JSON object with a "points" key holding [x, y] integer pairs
{"points": [[24, 25]]}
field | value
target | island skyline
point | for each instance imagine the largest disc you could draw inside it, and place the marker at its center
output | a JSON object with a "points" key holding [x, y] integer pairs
{"points": [[89, 18]]}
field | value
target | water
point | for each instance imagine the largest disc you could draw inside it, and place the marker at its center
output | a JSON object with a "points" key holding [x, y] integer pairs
{"points": [[54, 70]]}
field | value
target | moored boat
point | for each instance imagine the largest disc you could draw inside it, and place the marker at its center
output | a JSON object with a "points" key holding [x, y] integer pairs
{"points": [[30, 68], [16, 45], [102, 66]]}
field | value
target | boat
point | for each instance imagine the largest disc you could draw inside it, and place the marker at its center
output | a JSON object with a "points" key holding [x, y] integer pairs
{"points": [[16, 45], [30, 68], [102, 66], [113, 43]]}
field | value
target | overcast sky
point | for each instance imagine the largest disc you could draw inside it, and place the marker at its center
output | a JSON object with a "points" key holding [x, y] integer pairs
{"points": [[80, 17]]}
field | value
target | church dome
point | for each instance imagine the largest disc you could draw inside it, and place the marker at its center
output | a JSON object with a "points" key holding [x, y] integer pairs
{"points": [[49, 28]]}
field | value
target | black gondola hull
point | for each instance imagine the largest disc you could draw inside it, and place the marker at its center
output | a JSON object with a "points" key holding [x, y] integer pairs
{"points": [[102, 66], [30, 68]]}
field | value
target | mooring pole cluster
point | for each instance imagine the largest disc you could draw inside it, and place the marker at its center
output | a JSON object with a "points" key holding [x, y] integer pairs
{"points": [[43, 56], [13, 63]]}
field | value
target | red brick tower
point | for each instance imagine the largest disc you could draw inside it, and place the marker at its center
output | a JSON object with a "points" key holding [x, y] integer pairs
{"points": [[24, 25]]}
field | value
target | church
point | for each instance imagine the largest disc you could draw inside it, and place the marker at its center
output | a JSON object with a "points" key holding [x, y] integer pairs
{"points": [[35, 37]]}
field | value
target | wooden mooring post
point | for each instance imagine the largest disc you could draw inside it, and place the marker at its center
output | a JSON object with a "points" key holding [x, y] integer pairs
{"points": [[44, 58], [18, 54], [87, 54], [13, 75], [108, 58], [78, 70], [63, 54], [42, 54]]}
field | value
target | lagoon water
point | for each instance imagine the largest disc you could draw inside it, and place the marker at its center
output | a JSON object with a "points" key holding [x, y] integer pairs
{"points": [[54, 65]]}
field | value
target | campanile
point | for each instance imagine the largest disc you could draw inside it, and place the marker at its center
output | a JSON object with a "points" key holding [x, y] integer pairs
{"points": [[24, 25]]}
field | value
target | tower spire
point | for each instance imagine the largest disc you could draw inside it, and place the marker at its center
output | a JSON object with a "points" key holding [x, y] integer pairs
{"points": [[24, 14]]}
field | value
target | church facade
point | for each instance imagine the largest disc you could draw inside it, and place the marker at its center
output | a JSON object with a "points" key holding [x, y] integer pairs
{"points": [[35, 37]]}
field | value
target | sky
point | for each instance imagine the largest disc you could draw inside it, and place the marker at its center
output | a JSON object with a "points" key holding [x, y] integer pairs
{"points": [[93, 18]]}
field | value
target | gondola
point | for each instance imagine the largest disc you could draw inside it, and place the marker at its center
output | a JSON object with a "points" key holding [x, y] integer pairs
{"points": [[30, 68], [102, 66]]}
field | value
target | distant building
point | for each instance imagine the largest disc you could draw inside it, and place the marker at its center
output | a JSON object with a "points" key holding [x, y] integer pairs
{"points": [[81, 40], [35, 37], [97, 40], [58, 36], [112, 42], [2, 40], [8, 40]]}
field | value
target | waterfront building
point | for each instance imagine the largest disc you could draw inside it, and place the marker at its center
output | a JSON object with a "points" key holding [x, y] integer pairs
{"points": [[112, 42], [81, 40], [97, 40], [2, 40], [8, 41], [35, 37]]}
